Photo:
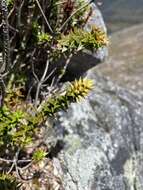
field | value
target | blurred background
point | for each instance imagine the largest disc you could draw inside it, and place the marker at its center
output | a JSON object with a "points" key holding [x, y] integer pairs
{"points": [[124, 22], [120, 14]]}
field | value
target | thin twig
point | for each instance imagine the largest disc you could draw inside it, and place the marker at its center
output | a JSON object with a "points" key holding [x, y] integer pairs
{"points": [[19, 175], [17, 168], [2, 91], [11, 161], [14, 161], [27, 166], [50, 75], [5, 28], [40, 83], [11, 168], [13, 29], [51, 30], [74, 13], [64, 69], [19, 14], [34, 74], [60, 3]]}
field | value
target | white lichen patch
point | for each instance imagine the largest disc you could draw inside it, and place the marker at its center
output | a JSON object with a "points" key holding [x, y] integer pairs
{"points": [[131, 171]]}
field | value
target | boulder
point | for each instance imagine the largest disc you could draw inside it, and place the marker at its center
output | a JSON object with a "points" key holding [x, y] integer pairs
{"points": [[124, 65], [103, 144]]}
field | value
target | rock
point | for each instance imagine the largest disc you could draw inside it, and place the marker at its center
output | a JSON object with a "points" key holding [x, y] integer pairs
{"points": [[102, 135], [124, 65], [104, 139]]}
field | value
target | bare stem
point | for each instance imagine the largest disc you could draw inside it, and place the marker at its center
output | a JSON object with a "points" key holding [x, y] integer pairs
{"points": [[64, 69], [40, 83], [44, 16], [11, 161], [74, 13], [5, 28]]}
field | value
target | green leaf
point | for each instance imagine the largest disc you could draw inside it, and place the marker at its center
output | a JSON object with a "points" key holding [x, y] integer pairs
{"points": [[39, 155]]}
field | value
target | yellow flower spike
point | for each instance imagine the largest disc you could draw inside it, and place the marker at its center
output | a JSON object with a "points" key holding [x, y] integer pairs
{"points": [[80, 88]]}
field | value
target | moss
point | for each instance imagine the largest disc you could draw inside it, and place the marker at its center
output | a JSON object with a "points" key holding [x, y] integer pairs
{"points": [[9, 182]]}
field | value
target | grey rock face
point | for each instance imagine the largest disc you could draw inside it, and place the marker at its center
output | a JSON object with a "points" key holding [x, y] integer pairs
{"points": [[124, 65], [104, 145]]}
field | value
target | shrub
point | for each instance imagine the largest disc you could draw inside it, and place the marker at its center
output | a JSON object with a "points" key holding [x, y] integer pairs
{"points": [[36, 35]]}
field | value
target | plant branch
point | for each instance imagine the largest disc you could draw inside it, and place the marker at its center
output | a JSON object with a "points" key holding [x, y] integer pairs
{"points": [[51, 30], [12, 161], [74, 13], [40, 83], [5, 28], [64, 68]]}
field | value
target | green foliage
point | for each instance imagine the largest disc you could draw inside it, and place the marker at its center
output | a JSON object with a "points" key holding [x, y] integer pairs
{"points": [[75, 91], [80, 40], [40, 35], [10, 3], [44, 37], [9, 182], [9, 121], [18, 126], [39, 155], [80, 18]]}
